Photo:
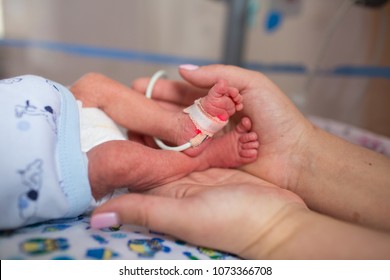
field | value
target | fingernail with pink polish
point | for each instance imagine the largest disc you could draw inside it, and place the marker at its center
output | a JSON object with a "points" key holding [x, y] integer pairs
{"points": [[104, 220], [188, 66]]}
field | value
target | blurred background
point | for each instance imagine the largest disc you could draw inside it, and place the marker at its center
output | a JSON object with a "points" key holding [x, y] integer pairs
{"points": [[332, 58]]}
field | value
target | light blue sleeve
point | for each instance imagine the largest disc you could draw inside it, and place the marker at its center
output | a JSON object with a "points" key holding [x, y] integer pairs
{"points": [[42, 169]]}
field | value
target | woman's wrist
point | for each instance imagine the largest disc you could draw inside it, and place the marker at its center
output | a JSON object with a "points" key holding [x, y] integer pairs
{"points": [[287, 223], [300, 233], [333, 170]]}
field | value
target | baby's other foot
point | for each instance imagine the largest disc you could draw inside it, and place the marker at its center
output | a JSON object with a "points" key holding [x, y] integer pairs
{"points": [[235, 148]]}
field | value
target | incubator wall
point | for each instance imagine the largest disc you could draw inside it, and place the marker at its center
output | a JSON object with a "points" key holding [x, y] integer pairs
{"points": [[332, 60]]}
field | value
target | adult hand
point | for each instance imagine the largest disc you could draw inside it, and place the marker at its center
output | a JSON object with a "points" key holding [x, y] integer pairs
{"points": [[282, 130], [235, 212], [224, 209], [332, 176]]}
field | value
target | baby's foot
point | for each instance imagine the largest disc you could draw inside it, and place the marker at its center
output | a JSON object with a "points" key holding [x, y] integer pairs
{"points": [[221, 101], [235, 148]]}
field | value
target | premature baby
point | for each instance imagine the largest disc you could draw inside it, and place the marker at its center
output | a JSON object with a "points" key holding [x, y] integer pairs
{"points": [[61, 149]]}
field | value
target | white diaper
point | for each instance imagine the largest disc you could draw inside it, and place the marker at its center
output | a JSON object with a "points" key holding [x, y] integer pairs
{"points": [[96, 128]]}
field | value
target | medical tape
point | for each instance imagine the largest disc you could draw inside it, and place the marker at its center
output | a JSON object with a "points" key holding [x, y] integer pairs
{"points": [[204, 122]]}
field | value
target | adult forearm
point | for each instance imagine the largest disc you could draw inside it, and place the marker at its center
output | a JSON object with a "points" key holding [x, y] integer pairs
{"points": [[346, 181], [304, 234]]}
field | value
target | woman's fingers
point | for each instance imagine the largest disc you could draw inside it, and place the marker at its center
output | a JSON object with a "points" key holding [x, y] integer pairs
{"points": [[177, 92], [154, 212], [200, 80], [207, 76]]}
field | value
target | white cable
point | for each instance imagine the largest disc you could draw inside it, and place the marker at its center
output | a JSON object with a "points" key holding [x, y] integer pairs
{"points": [[331, 28], [159, 74], [379, 51], [148, 94]]}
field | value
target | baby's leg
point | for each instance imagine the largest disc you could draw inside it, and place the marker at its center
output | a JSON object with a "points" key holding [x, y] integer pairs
{"points": [[139, 114], [123, 105], [127, 164], [118, 164]]}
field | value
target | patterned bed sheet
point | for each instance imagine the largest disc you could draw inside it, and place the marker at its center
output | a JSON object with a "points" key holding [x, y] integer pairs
{"points": [[74, 239], [68, 239]]}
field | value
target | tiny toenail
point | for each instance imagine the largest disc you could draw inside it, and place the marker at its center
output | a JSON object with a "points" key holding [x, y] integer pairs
{"points": [[222, 117]]}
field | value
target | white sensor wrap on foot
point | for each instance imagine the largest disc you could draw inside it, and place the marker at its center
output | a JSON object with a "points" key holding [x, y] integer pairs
{"points": [[204, 122]]}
